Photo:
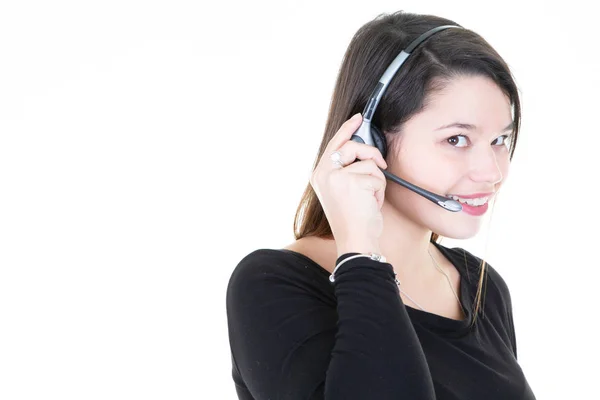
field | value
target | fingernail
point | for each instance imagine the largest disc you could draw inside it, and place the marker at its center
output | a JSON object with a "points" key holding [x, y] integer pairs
{"points": [[356, 116]]}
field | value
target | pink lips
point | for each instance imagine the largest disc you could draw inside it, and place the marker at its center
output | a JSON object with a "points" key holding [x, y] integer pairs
{"points": [[476, 211], [472, 210]]}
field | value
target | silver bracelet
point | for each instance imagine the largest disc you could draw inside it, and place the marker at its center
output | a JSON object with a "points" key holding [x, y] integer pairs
{"points": [[372, 256]]}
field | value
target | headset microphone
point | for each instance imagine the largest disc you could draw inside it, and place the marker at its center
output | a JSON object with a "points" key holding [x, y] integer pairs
{"points": [[371, 135]]}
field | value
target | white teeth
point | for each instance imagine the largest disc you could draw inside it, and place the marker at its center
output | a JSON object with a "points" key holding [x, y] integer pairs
{"points": [[472, 202]]}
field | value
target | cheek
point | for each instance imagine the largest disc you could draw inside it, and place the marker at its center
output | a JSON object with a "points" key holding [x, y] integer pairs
{"points": [[423, 165], [433, 176]]}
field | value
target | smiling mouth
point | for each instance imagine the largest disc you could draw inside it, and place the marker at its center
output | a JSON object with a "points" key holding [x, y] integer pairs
{"points": [[475, 202]]}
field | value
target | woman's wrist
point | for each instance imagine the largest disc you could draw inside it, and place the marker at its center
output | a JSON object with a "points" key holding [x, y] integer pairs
{"points": [[363, 246]]}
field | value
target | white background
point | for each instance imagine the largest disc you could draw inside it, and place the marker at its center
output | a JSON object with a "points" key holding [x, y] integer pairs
{"points": [[146, 147]]}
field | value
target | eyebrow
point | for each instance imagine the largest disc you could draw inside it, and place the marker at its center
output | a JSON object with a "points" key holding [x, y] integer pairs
{"points": [[471, 127]]}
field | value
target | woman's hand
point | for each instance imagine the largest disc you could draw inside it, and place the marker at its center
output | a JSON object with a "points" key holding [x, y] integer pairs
{"points": [[352, 194]]}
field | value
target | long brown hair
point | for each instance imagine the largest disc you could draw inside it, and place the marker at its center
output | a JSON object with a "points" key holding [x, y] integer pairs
{"points": [[430, 67]]}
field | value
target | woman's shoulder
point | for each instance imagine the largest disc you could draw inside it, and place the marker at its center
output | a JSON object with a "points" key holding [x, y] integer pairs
{"points": [[267, 277], [263, 261], [268, 265]]}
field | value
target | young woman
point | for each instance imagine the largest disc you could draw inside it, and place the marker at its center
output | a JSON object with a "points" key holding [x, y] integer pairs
{"points": [[327, 317]]}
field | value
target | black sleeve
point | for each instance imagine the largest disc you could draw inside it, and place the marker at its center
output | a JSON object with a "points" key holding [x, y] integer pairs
{"points": [[286, 346]]}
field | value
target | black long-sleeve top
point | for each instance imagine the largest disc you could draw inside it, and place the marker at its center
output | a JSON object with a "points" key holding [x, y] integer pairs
{"points": [[296, 335]]}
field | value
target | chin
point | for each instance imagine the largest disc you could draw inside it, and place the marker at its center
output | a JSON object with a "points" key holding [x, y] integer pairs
{"points": [[457, 231]]}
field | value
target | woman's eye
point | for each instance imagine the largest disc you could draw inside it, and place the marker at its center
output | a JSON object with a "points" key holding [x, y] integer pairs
{"points": [[452, 139], [504, 139]]}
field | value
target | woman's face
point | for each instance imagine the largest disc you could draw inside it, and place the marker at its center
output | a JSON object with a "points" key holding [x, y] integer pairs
{"points": [[456, 160]]}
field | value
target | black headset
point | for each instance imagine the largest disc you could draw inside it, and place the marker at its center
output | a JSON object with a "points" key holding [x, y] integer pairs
{"points": [[370, 134]]}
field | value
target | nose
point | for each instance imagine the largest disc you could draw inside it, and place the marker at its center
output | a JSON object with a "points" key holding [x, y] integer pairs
{"points": [[485, 166]]}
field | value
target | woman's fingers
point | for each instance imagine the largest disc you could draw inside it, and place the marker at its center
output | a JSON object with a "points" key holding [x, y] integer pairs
{"points": [[350, 151]]}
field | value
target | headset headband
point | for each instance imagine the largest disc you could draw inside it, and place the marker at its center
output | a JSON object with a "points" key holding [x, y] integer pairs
{"points": [[392, 69]]}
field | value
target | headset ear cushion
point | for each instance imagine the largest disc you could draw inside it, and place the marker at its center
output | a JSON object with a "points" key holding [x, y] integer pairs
{"points": [[379, 140]]}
